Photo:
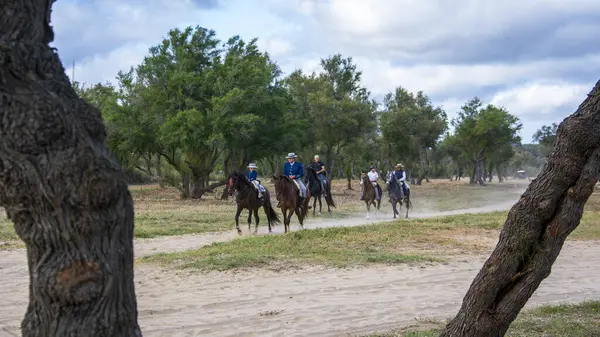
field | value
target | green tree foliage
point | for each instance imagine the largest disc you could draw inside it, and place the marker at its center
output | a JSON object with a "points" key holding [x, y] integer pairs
{"points": [[197, 108], [412, 126], [485, 134], [545, 137]]}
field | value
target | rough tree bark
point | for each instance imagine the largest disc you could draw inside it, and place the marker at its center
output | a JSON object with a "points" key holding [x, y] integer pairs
{"points": [[67, 196], [536, 228]]}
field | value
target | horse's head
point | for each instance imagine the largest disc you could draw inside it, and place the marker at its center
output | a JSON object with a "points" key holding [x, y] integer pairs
{"points": [[282, 185], [236, 181], [388, 177], [232, 183]]}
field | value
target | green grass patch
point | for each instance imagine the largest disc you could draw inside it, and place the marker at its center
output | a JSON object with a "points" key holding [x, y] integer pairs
{"points": [[567, 320], [337, 247], [416, 240]]}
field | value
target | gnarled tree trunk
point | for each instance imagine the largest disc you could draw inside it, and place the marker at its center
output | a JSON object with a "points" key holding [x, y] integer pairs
{"points": [[536, 228], [67, 196]]}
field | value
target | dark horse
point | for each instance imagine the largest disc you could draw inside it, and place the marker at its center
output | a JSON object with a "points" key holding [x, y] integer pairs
{"points": [[247, 198], [370, 195], [396, 194], [313, 183], [287, 194]]}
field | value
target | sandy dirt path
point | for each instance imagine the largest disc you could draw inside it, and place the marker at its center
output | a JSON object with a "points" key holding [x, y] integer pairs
{"points": [[307, 302]]}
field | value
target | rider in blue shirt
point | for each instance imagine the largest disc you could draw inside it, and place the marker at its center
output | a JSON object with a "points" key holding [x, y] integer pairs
{"points": [[400, 176], [295, 171], [253, 178]]}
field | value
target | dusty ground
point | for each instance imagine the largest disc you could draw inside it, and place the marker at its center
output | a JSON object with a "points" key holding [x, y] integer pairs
{"points": [[306, 302]]}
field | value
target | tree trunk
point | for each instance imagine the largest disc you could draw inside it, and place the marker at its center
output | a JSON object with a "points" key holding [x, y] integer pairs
{"points": [[473, 177], [480, 169], [500, 174], [65, 193], [185, 186], [536, 228], [159, 173]]}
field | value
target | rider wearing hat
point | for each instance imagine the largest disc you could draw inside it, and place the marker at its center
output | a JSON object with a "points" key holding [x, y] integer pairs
{"points": [[253, 178], [400, 176], [373, 176], [295, 171]]}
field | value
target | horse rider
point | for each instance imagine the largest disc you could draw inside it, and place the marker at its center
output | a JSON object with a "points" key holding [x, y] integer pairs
{"points": [[295, 171], [373, 176], [318, 166], [253, 178], [400, 176]]}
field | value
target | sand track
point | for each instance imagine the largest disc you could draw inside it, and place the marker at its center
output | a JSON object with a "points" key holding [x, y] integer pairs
{"points": [[306, 302]]}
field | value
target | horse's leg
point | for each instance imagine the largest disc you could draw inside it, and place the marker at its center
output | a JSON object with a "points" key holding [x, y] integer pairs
{"points": [[314, 205], [290, 215], [237, 219], [407, 205], [300, 216], [368, 203], [394, 208], [376, 207], [285, 219], [256, 218], [320, 205], [249, 219]]}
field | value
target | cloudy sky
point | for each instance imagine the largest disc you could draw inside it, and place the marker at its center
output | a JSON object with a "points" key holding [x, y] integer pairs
{"points": [[537, 58]]}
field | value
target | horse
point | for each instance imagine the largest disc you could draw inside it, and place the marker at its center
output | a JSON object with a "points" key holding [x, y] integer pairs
{"points": [[247, 198], [370, 195], [313, 183], [396, 194], [287, 194]]}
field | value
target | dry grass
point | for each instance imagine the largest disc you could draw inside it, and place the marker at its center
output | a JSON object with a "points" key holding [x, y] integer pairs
{"points": [[160, 211], [416, 240], [579, 320]]}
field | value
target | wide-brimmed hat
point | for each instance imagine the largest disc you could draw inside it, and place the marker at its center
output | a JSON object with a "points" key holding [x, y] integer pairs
{"points": [[291, 155], [399, 165], [252, 165]]}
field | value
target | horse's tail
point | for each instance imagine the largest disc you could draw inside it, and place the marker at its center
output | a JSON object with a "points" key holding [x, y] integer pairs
{"points": [[329, 198], [270, 211]]}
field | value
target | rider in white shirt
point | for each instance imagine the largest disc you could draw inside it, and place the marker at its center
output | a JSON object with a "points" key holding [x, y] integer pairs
{"points": [[373, 176]]}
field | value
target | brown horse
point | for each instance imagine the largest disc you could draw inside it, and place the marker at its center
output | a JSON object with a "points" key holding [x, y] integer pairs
{"points": [[370, 195], [287, 194], [247, 198]]}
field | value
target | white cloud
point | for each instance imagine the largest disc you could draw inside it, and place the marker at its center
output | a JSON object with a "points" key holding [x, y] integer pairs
{"points": [[105, 67], [535, 99], [380, 76], [394, 42], [275, 46], [415, 22]]}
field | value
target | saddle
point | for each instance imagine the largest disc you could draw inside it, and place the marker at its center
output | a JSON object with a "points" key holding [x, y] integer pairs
{"points": [[257, 185], [298, 186]]}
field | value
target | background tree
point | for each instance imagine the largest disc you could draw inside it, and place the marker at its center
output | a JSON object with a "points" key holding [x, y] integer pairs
{"points": [[412, 126], [536, 228], [196, 108], [66, 195], [545, 136], [485, 134]]}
